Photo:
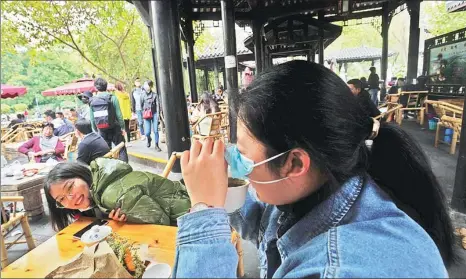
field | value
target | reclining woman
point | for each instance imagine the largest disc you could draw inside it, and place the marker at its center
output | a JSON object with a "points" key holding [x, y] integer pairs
{"points": [[110, 188]]}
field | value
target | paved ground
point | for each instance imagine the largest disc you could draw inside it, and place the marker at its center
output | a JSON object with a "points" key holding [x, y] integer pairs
{"points": [[443, 164]]}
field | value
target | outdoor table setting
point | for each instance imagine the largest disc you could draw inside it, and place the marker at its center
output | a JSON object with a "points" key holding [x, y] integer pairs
{"points": [[26, 180], [60, 256]]}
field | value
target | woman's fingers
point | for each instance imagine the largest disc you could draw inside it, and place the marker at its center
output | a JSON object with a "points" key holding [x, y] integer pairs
{"points": [[122, 218], [111, 214], [195, 150], [219, 148], [207, 147], [184, 159]]}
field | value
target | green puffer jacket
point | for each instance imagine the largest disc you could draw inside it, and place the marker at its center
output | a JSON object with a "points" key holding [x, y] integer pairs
{"points": [[143, 196]]}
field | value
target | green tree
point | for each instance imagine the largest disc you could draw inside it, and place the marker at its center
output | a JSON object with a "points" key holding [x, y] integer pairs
{"points": [[20, 107], [438, 20], [5, 108], [108, 35], [48, 69]]}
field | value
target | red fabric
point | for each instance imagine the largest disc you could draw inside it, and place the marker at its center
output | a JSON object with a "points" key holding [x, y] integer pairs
{"points": [[74, 88], [10, 91], [34, 144]]}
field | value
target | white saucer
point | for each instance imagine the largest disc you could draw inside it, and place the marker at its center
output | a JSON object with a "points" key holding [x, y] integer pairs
{"points": [[96, 234], [157, 270]]}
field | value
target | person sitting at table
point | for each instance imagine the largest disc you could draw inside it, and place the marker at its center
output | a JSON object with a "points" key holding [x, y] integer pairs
{"points": [[92, 145], [363, 97], [60, 127], [19, 119], [44, 147], [68, 123], [207, 105], [321, 203], [111, 188]]}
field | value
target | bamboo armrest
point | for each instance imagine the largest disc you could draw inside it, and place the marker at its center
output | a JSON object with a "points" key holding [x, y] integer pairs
{"points": [[12, 199], [451, 119]]}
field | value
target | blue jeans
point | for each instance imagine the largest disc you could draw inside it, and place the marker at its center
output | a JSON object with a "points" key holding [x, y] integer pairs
{"points": [[154, 122], [373, 93], [140, 122]]}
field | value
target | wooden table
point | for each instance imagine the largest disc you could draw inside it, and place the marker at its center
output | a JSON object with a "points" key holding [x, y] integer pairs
{"points": [[29, 188], [61, 248]]}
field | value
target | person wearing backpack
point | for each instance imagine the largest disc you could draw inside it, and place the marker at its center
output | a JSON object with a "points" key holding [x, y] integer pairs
{"points": [[150, 113], [106, 117]]}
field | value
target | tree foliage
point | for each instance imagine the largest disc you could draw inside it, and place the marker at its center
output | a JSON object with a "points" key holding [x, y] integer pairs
{"points": [[20, 107], [438, 20], [48, 69], [5, 108], [109, 36]]}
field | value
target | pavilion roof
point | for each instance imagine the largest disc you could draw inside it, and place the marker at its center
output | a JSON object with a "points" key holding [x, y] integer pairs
{"points": [[215, 49], [357, 54]]}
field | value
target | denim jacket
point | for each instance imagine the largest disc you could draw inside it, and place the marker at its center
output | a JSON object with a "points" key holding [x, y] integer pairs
{"points": [[357, 231]]}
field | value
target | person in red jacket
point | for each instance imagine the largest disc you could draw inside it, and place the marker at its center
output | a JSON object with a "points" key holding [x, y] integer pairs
{"points": [[44, 147]]}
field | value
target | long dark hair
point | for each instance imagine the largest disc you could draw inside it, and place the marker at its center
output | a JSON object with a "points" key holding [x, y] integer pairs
{"points": [[305, 105], [61, 217]]}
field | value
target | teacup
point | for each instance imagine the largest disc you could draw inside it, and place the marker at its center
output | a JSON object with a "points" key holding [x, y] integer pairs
{"points": [[236, 194]]}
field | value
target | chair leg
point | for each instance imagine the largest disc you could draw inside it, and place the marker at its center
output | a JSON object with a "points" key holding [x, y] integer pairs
{"points": [[4, 256], [422, 112], [437, 134], [454, 139], [27, 233], [239, 250]]}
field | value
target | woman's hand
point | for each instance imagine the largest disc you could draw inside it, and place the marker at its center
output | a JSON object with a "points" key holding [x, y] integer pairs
{"points": [[204, 171], [115, 215]]}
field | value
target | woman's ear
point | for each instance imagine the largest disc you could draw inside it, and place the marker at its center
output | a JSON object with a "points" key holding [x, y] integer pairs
{"points": [[297, 163]]}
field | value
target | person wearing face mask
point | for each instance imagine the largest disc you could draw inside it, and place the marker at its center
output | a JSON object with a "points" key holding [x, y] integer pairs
{"points": [[321, 203], [150, 112], [92, 146], [85, 99], [110, 188], [136, 101], [44, 147]]}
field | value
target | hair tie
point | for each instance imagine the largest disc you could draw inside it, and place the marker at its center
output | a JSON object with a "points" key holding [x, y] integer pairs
{"points": [[375, 129]]}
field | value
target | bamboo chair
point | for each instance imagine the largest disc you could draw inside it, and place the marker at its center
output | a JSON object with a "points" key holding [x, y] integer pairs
{"points": [[65, 137], [10, 224], [450, 116], [415, 103], [235, 237], [133, 129], [209, 126], [71, 145], [115, 152], [393, 111]]}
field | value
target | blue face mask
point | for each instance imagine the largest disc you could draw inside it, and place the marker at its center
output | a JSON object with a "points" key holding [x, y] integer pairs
{"points": [[240, 166]]}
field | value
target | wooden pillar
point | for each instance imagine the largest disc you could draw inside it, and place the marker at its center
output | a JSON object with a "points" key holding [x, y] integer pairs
{"points": [[413, 49], [231, 64], [190, 58], [216, 83], [166, 28], [384, 60], [458, 200], [256, 29], [321, 38], [206, 79]]}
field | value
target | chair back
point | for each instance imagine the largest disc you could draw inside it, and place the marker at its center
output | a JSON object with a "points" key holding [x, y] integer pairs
{"points": [[209, 125], [115, 152], [415, 98]]}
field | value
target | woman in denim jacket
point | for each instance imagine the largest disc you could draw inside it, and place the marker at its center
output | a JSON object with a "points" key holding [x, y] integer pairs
{"points": [[322, 203]]}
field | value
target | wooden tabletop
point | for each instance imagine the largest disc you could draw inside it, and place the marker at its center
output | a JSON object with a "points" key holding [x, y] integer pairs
{"points": [[61, 248]]}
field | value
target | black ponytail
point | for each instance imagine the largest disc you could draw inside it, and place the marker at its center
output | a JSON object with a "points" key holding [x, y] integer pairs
{"points": [[401, 168]]}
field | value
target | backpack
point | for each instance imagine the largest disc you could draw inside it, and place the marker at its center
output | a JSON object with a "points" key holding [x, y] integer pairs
{"points": [[104, 112]]}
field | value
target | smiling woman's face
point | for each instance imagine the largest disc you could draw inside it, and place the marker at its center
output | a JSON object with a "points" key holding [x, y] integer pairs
{"points": [[71, 193]]}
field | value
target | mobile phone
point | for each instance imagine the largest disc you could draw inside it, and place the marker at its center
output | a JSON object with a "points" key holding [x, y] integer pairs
{"points": [[98, 222]]}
